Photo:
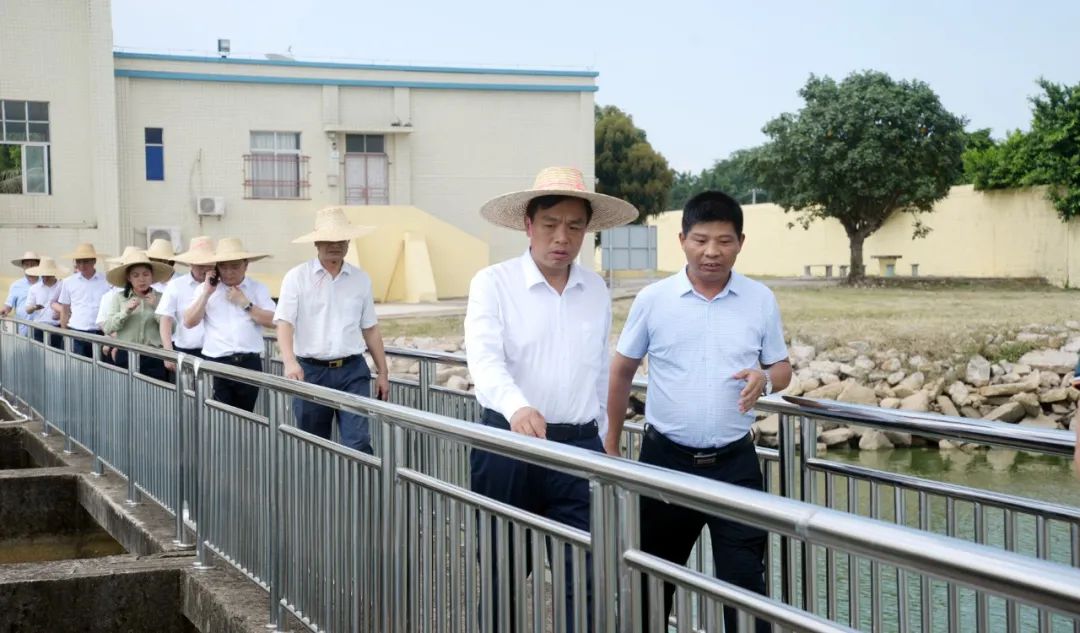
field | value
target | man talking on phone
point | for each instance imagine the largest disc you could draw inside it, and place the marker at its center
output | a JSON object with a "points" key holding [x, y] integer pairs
{"points": [[233, 308]]}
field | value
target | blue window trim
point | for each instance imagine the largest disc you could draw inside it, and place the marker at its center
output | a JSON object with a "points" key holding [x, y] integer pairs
{"points": [[363, 83]]}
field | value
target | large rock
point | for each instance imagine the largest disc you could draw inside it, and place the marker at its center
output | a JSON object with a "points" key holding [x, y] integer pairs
{"points": [[910, 385], [947, 407], [858, 394], [919, 401], [1001, 459], [1006, 389], [1057, 361], [895, 378], [890, 403], [828, 392], [809, 384], [1039, 422], [899, 438], [959, 393], [874, 440], [978, 371], [1072, 346], [891, 365], [948, 445], [801, 354], [863, 362], [458, 382], [829, 379], [836, 437], [1030, 402], [844, 354], [1008, 412], [853, 371], [769, 425], [825, 367]]}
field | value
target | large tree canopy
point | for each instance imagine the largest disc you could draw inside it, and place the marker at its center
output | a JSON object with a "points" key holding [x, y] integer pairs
{"points": [[627, 166], [731, 175], [859, 151]]}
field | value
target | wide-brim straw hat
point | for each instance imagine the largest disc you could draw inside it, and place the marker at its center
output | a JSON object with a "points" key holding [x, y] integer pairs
{"points": [[47, 268], [199, 248], [85, 250], [508, 210], [231, 249], [25, 256], [331, 225], [129, 251], [161, 248], [118, 276]]}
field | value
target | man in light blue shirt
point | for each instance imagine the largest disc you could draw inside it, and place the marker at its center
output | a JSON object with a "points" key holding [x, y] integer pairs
{"points": [[16, 298], [715, 344]]}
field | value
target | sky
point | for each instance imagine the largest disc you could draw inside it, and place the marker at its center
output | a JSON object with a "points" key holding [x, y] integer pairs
{"points": [[700, 77]]}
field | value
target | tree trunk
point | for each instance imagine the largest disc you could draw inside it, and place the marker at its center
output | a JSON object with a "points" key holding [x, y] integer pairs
{"points": [[857, 270]]}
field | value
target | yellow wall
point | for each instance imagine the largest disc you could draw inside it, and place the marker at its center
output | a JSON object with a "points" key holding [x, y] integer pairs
{"points": [[1013, 233], [454, 255]]}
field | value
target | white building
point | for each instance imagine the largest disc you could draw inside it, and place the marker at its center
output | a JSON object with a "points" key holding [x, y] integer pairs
{"points": [[106, 146]]}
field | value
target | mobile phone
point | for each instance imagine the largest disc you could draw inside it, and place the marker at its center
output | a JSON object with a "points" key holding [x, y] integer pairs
{"points": [[216, 277]]}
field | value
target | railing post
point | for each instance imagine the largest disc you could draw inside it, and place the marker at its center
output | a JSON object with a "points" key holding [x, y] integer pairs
{"points": [[808, 493], [787, 489], [132, 492], [392, 588], [69, 411], [41, 390], [275, 406], [604, 554], [202, 485], [427, 379], [184, 452], [98, 432], [630, 596]]}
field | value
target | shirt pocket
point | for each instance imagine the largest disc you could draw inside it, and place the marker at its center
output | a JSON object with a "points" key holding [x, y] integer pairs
{"points": [[589, 344]]}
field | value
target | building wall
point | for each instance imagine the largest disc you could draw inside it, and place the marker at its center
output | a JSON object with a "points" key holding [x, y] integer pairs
{"points": [[61, 52]]}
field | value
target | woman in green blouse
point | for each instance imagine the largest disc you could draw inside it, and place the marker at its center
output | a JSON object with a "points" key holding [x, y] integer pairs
{"points": [[130, 316]]}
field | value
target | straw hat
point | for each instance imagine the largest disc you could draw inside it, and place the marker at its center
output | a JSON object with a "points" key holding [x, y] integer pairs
{"points": [[85, 250], [331, 225], [129, 251], [230, 249], [27, 255], [47, 268], [161, 248], [118, 276], [508, 210], [199, 248]]}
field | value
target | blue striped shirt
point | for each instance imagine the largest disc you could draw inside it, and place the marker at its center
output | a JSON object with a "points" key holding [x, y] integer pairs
{"points": [[695, 346]]}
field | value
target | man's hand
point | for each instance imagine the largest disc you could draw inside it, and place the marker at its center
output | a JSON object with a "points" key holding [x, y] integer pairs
{"points": [[169, 365], [237, 297], [611, 446], [382, 387], [755, 385], [293, 370], [529, 421]]}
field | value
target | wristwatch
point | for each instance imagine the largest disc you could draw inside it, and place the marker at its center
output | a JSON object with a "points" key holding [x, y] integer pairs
{"points": [[768, 383], [249, 306]]}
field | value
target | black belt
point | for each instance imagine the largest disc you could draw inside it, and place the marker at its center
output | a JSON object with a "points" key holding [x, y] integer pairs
{"points": [[332, 364], [233, 358], [697, 456], [568, 432]]}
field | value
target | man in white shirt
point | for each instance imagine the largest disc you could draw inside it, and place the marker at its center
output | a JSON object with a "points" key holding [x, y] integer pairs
{"points": [[20, 289], [179, 294], [42, 296], [80, 297], [715, 343], [536, 331], [233, 309], [325, 321]]}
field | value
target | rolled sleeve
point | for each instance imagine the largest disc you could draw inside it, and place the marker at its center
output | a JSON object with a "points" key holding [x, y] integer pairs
{"points": [[288, 300], [65, 294], [167, 305], [262, 299], [368, 319], [634, 340], [484, 349], [773, 348]]}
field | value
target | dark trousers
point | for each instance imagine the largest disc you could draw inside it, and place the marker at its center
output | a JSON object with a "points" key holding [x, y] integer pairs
{"points": [[548, 493], [670, 531], [55, 340], [190, 351], [84, 348], [238, 394], [148, 365], [352, 377]]}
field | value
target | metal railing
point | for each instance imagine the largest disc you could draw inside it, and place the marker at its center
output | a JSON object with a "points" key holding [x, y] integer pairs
{"points": [[397, 541]]}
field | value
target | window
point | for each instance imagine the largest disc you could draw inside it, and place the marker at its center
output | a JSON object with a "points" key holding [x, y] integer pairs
{"points": [[366, 169], [155, 154], [24, 147], [275, 168]]}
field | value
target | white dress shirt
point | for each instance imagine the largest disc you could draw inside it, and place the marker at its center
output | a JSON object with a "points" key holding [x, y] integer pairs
{"points": [[527, 345], [327, 313], [230, 330], [178, 295], [105, 306], [45, 296], [84, 297]]}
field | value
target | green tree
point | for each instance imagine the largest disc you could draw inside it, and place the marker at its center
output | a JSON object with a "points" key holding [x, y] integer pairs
{"points": [[627, 166], [731, 175], [1047, 155], [975, 142], [859, 151]]}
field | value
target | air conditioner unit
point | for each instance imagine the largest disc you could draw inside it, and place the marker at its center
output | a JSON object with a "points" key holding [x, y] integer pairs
{"points": [[171, 233], [210, 205]]}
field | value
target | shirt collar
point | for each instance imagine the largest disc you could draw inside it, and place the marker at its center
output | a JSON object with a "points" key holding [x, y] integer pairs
{"points": [[734, 285], [533, 276], [319, 268]]}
